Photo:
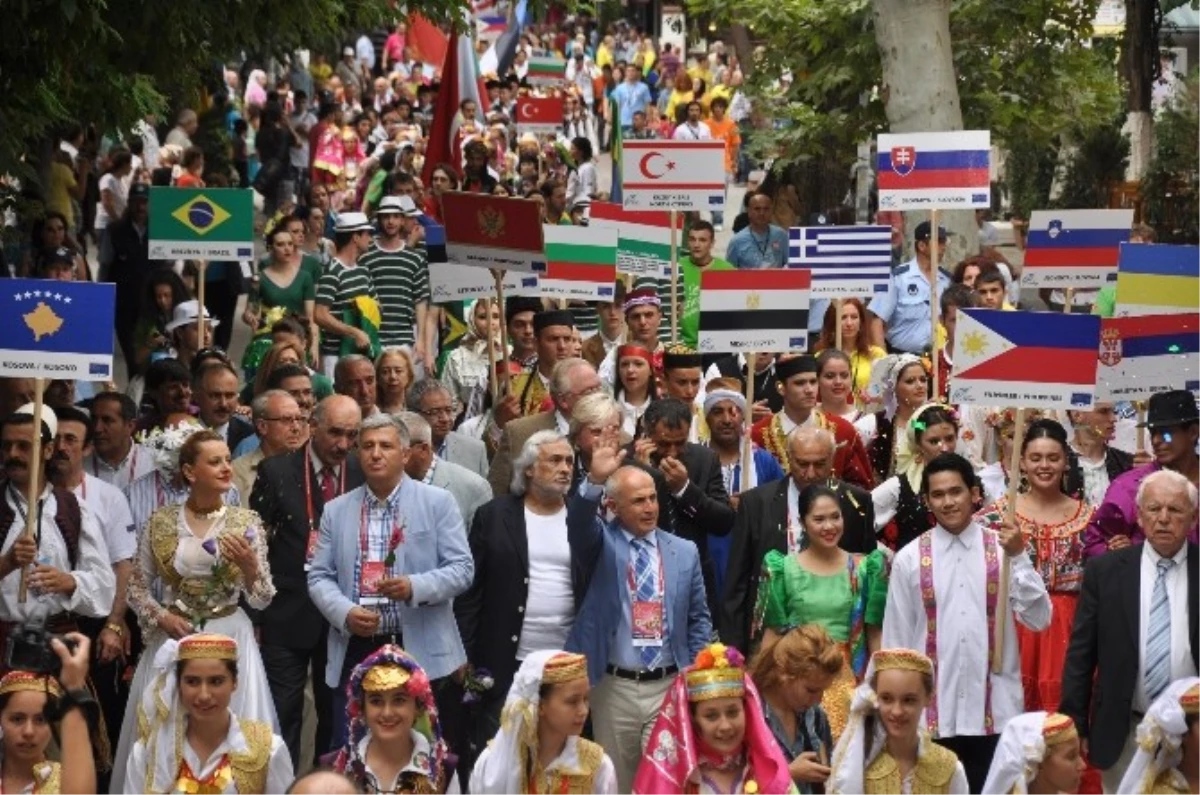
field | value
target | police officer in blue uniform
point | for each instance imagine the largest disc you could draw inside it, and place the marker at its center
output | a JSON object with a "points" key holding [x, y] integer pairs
{"points": [[904, 308]]}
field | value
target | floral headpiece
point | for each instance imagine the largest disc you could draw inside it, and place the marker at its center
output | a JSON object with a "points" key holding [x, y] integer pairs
{"points": [[164, 444], [719, 672], [917, 424], [364, 678], [26, 682]]}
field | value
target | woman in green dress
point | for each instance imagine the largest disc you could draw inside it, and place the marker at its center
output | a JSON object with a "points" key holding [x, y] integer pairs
{"points": [[820, 583], [282, 287]]}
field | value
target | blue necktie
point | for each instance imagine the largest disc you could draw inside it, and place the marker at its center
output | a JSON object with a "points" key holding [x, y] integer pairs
{"points": [[647, 590], [1158, 635]]}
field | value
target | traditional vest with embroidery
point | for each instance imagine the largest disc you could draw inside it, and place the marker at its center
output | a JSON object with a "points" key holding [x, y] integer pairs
{"points": [[250, 766], [775, 440], [164, 540], [67, 516], [577, 782], [935, 767], [531, 393]]}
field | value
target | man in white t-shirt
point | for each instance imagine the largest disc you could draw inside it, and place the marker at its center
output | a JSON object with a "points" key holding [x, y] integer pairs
{"points": [[694, 128], [528, 578]]}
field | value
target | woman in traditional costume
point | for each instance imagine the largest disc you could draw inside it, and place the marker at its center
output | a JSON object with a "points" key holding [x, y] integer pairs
{"points": [[710, 736], [900, 384], [843, 592], [201, 558], [394, 741], [1038, 753], [538, 748], [1168, 754], [885, 748], [193, 741]]}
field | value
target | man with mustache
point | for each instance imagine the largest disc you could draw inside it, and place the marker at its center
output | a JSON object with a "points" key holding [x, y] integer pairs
{"points": [[116, 458]]}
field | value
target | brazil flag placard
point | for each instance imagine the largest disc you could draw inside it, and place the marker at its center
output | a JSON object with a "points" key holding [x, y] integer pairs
{"points": [[201, 223]]}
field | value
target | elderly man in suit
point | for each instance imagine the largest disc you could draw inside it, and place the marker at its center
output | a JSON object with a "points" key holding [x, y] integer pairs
{"points": [[692, 500], [570, 380], [636, 639], [434, 401], [292, 639], [532, 565], [469, 490], [767, 519], [391, 556], [1136, 626], [215, 390]]}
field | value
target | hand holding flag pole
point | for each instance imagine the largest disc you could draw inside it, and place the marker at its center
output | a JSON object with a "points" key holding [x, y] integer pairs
{"points": [[1010, 514], [33, 515]]}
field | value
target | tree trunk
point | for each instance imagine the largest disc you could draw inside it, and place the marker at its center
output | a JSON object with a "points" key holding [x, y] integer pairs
{"points": [[743, 48], [1140, 66], [920, 92]]}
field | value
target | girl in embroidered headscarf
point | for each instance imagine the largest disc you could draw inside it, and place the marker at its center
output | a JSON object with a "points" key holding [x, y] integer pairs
{"points": [[195, 562], [538, 748], [900, 511], [710, 736], [190, 740], [885, 748], [1038, 753], [823, 584], [394, 741], [899, 386], [1168, 754]]}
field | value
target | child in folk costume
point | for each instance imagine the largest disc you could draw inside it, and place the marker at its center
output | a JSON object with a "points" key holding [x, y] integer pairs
{"points": [[191, 740], [711, 736], [538, 748], [1038, 753], [1168, 755], [885, 748]]}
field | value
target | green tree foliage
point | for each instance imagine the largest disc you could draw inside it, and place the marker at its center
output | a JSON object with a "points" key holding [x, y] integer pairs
{"points": [[109, 62], [1026, 71], [1171, 187], [1095, 167]]}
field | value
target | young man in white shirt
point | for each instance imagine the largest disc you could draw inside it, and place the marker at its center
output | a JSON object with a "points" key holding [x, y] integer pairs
{"points": [[694, 128], [949, 576]]}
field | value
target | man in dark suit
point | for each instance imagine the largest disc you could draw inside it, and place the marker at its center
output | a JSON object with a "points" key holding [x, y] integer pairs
{"points": [[530, 573], [290, 494], [1136, 626], [692, 501], [215, 390], [767, 519]]}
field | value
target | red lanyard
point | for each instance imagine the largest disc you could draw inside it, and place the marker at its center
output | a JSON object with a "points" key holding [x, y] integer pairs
{"points": [[363, 543], [662, 578]]}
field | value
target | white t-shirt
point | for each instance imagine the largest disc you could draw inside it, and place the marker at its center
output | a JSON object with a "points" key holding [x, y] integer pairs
{"points": [[120, 196], [550, 605]]}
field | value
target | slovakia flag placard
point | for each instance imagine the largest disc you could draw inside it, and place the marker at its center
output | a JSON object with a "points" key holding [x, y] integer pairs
{"points": [[934, 170]]}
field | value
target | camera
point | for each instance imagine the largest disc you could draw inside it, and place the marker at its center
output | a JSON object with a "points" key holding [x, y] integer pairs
{"points": [[28, 649]]}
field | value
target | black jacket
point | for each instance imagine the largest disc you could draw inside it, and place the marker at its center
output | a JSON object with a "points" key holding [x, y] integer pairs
{"points": [[492, 611], [1101, 668], [761, 526], [278, 497], [1116, 463]]}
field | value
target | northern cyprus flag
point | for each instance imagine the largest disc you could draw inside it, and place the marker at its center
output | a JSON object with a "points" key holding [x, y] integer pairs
{"points": [[673, 175]]}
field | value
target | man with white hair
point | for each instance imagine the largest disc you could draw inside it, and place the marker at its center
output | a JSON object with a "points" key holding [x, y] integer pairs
{"points": [[1135, 628], [530, 572], [469, 490]]}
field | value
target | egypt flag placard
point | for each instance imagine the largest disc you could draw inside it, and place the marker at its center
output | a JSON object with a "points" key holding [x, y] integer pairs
{"points": [[754, 311], [1037, 360], [643, 237], [539, 115], [581, 263]]}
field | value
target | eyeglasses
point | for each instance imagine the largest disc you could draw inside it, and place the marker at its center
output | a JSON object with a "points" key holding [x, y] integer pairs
{"points": [[443, 411]]}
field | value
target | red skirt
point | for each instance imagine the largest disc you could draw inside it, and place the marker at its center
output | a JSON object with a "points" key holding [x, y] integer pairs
{"points": [[1043, 656]]}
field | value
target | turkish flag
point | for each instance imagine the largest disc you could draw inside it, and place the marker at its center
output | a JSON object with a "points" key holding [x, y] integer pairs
{"points": [[428, 42], [543, 112], [500, 222]]}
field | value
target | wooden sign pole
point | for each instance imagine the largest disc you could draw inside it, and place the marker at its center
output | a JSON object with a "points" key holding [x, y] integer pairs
{"points": [[837, 323], [32, 496], [674, 276], [1070, 299], [1010, 513], [201, 315], [747, 442], [499, 276]]}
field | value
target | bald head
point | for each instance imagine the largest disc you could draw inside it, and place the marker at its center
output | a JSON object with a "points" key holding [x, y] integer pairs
{"points": [[323, 781], [810, 453], [633, 497], [335, 428]]}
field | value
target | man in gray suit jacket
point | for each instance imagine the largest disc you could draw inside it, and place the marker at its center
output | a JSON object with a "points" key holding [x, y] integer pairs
{"points": [[391, 556], [468, 489], [434, 401]]}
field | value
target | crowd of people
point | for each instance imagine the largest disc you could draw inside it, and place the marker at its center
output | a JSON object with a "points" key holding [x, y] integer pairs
{"points": [[386, 547]]}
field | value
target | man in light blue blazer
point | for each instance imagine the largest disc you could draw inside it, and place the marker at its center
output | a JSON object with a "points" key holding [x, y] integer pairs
{"points": [[391, 556], [645, 615]]}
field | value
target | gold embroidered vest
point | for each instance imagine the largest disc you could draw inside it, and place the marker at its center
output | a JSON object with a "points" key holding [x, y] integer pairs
{"points": [[577, 782], [935, 767], [1168, 782], [775, 440], [528, 387], [47, 778], [250, 766], [164, 540]]}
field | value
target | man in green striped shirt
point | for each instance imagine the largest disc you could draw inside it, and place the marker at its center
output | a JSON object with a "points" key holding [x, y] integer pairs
{"points": [[400, 272], [342, 282], [700, 258]]}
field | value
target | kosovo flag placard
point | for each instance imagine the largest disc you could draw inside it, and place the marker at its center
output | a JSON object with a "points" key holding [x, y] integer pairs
{"points": [[53, 329], [201, 223]]}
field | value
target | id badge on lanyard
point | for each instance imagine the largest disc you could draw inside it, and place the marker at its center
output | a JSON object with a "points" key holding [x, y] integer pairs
{"points": [[370, 571], [648, 616]]}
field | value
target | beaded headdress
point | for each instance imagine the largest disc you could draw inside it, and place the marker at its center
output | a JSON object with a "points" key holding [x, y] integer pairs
{"points": [[719, 672], [385, 677], [26, 682], [564, 667], [902, 660], [1190, 700], [208, 646], [1058, 728]]}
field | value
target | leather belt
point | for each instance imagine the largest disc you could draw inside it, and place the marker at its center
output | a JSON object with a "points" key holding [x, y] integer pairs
{"points": [[654, 675]]}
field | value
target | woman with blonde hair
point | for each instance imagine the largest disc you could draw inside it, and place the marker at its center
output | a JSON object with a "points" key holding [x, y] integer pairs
{"points": [[791, 672], [393, 376]]}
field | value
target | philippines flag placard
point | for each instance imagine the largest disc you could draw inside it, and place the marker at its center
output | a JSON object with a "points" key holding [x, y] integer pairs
{"points": [[1040, 360], [753, 311], [1074, 248], [1142, 355], [1158, 280], [845, 261], [934, 170], [673, 175]]}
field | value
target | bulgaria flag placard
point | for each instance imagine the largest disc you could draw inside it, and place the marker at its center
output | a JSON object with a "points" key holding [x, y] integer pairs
{"points": [[643, 237], [581, 263], [546, 70], [754, 311]]}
